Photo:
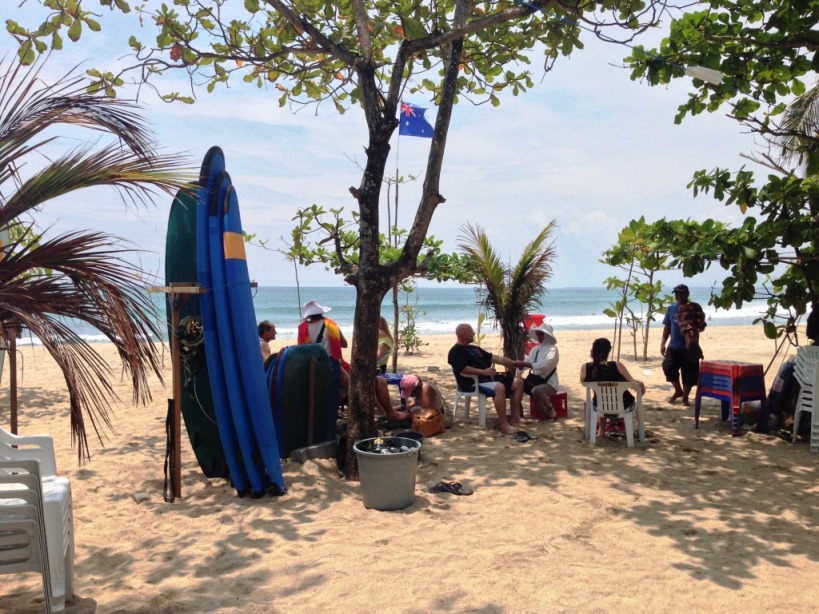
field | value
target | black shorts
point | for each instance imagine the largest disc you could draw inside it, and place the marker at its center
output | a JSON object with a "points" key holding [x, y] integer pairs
{"points": [[681, 364]]}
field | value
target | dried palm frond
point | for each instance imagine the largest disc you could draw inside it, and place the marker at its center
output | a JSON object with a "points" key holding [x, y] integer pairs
{"points": [[87, 281], [80, 275]]}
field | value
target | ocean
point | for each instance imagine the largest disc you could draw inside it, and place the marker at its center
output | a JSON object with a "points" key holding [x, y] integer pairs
{"points": [[441, 308]]}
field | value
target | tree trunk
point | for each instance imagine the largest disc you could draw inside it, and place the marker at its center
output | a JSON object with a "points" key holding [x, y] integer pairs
{"points": [[372, 280]]}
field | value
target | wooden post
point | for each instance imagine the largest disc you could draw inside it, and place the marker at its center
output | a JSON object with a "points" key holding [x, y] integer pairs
{"points": [[177, 394], [177, 293]]}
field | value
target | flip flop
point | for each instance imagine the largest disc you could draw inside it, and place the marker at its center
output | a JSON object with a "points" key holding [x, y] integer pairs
{"points": [[453, 488], [523, 437]]}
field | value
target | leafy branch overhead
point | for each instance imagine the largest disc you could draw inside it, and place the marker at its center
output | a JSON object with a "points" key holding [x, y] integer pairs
{"points": [[311, 51], [323, 236]]}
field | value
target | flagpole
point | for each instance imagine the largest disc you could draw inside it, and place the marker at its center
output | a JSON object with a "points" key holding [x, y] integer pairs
{"points": [[395, 282]]}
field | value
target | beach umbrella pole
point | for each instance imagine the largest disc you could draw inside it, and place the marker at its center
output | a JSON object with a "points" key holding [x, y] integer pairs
{"points": [[11, 335]]}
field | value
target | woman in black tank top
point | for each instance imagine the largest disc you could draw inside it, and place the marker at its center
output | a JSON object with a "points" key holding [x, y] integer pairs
{"points": [[601, 369]]}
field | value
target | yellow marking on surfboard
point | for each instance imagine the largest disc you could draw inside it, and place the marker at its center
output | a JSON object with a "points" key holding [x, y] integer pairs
{"points": [[234, 245]]}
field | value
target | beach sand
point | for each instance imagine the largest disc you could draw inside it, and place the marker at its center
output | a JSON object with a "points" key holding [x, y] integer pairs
{"points": [[688, 521]]}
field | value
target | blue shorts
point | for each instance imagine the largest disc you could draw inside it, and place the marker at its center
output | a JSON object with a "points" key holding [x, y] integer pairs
{"points": [[488, 388]]}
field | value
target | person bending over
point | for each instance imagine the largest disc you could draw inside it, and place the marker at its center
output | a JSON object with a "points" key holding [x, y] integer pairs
{"points": [[468, 359], [601, 369], [417, 393], [384, 404]]}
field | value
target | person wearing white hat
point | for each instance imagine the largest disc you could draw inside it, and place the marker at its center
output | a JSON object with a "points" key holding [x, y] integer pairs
{"points": [[542, 381], [315, 328]]}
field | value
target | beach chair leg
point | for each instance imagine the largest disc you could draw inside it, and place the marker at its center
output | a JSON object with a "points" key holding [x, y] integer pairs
{"points": [[629, 429]]}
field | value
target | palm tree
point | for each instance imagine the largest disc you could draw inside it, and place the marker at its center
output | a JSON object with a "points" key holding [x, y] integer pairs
{"points": [[511, 292], [799, 133], [80, 275]]}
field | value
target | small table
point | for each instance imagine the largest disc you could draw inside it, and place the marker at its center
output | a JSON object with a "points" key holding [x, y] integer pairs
{"points": [[733, 382]]}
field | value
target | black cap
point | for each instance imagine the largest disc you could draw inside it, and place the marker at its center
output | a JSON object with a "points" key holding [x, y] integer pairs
{"points": [[680, 288]]}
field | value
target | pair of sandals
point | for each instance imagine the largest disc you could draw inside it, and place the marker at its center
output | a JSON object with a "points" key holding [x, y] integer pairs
{"points": [[452, 488]]}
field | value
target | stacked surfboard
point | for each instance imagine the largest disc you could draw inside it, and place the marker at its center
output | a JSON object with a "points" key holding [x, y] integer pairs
{"points": [[236, 378]]}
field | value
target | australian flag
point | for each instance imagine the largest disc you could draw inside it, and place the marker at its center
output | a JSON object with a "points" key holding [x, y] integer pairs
{"points": [[413, 122]]}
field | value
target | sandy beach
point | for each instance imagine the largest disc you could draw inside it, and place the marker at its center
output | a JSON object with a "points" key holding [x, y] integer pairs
{"points": [[688, 521]]}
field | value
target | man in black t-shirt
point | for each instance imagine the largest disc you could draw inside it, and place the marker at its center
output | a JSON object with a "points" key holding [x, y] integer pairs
{"points": [[468, 359]]}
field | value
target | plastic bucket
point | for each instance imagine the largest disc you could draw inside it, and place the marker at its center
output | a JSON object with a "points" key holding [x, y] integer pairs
{"points": [[387, 480]]}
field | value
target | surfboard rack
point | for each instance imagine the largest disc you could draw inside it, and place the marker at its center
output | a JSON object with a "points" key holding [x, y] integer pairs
{"points": [[178, 293]]}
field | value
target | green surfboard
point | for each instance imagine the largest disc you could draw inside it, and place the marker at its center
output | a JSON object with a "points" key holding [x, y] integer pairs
{"points": [[197, 400]]}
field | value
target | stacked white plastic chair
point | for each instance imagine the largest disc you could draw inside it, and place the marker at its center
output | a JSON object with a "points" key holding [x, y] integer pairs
{"points": [[807, 374], [22, 522], [467, 397], [610, 403], [57, 509]]}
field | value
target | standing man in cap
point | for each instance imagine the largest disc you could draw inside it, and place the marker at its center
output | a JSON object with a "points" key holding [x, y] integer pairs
{"points": [[683, 323], [542, 382]]}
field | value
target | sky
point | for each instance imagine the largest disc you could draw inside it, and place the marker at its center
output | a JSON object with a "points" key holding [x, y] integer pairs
{"points": [[585, 147]]}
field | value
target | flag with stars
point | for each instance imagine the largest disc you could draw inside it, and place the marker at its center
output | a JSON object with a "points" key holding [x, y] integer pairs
{"points": [[413, 122]]}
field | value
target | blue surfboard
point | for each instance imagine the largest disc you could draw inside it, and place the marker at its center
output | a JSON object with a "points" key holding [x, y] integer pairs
{"points": [[243, 320], [231, 363], [213, 164]]}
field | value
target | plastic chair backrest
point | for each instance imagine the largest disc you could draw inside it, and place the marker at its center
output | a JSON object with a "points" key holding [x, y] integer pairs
{"points": [[610, 395], [39, 447]]}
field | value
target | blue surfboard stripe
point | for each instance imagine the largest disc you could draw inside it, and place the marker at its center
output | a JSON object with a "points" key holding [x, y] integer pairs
{"points": [[213, 164], [232, 365], [249, 366]]}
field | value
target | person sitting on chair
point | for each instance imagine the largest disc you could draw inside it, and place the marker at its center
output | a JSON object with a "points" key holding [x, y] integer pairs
{"points": [[468, 359], [542, 382], [601, 369]]}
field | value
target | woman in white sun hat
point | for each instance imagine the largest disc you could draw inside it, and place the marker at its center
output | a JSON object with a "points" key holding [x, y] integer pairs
{"points": [[542, 382]]}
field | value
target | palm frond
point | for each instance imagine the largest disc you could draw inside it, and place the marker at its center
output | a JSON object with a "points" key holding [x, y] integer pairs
{"points": [[89, 282], [82, 275], [510, 292], [800, 123], [487, 263], [28, 106], [136, 178]]}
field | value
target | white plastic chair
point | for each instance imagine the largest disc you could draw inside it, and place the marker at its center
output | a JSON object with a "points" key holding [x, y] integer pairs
{"points": [[467, 397], [610, 402], [807, 373], [805, 367], [23, 542], [57, 508]]}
